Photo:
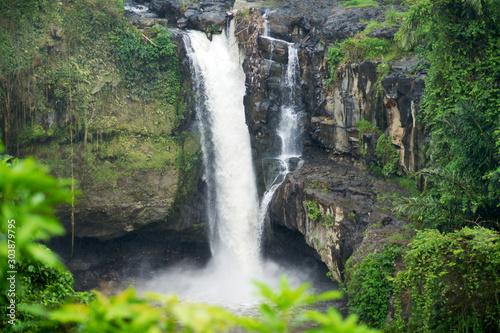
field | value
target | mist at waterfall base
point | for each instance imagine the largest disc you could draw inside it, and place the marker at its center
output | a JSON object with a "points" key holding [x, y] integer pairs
{"points": [[234, 216]]}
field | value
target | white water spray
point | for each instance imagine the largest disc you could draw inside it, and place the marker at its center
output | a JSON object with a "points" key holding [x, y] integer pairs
{"points": [[227, 151], [233, 209]]}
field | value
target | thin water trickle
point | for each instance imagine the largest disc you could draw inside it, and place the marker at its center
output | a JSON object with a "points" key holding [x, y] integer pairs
{"points": [[289, 130]]}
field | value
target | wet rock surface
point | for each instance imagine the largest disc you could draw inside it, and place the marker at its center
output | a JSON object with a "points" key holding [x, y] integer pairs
{"points": [[208, 16], [347, 198], [333, 105], [114, 264]]}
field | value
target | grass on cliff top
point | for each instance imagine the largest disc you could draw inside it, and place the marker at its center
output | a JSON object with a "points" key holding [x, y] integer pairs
{"points": [[363, 47], [359, 4]]}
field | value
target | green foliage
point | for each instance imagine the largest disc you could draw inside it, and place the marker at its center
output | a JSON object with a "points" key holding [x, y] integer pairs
{"points": [[365, 127], [328, 220], [369, 285], [28, 195], [148, 64], [359, 47], [394, 17], [387, 154], [280, 311], [315, 214], [451, 282], [313, 211], [334, 56], [212, 29], [363, 47], [461, 108], [451, 202], [26, 211], [359, 4], [409, 185], [394, 2]]}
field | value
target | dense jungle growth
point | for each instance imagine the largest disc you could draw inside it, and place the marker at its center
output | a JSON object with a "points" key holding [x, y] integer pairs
{"points": [[94, 99], [448, 275]]}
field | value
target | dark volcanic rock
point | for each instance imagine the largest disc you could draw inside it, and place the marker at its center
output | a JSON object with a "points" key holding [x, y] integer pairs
{"points": [[347, 198], [170, 9], [213, 20], [403, 95], [345, 23], [273, 49], [386, 33], [207, 16]]}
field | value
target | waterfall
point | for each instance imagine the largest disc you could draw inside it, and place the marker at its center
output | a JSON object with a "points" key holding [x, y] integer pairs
{"points": [[235, 220], [227, 155], [289, 131]]}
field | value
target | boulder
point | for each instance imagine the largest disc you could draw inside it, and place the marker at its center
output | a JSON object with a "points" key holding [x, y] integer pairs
{"points": [[347, 199], [212, 21], [169, 9], [273, 49], [385, 33]]}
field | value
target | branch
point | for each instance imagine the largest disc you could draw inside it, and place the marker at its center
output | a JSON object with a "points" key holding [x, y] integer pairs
{"points": [[149, 40]]}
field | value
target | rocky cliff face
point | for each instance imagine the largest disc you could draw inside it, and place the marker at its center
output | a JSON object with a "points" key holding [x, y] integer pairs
{"points": [[348, 202], [334, 175], [332, 109], [145, 168]]}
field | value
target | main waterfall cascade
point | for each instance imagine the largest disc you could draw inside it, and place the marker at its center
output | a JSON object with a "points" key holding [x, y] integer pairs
{"points": [[227, 153], [235, 220]]}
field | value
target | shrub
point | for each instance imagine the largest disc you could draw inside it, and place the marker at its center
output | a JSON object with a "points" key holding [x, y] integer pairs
{"points": [[364, 47], [451, 283], [369, 285], [313, 211], [388, 155], [279, 312]]}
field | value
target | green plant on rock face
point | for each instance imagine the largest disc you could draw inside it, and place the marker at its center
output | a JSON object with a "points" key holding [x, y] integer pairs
{"points": [[313, 211], [393, 17], [212, 29], [359, 4], [388, 155], [365, 127], [334, 56], [148, 64], [361, 48], [328, 220]]}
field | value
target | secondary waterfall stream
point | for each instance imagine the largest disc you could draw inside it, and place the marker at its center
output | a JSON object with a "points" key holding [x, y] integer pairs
{"points": [[289, 130]]}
